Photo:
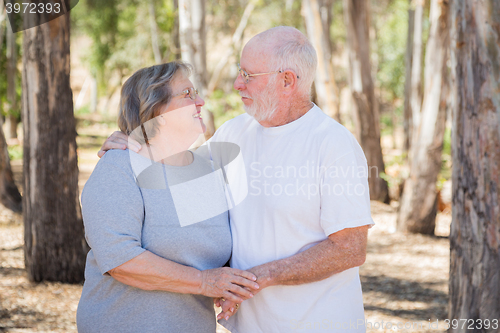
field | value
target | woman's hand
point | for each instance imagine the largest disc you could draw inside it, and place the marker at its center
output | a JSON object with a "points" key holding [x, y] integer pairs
{"points": [[228, 283], [229, 308], [118, 140]]}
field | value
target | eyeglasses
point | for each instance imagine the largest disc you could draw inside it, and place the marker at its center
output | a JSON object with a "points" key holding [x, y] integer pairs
{"points": [[246, 77], [193, 93]]}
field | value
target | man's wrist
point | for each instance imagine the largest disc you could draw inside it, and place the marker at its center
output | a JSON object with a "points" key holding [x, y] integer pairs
{"points": [[264, 275]]}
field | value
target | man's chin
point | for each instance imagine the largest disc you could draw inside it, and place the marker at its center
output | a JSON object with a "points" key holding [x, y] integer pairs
{"points": [[250, 111]]}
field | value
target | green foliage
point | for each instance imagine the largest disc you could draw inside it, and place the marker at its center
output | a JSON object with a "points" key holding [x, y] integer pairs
{"points": [[121, 36], [338, 31], [15, 152], [225, 106], [392, 31], [445, 172], [5, 107]]}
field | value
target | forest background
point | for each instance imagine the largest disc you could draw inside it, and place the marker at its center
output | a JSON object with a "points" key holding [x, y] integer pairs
{"points": [[388, 70]]}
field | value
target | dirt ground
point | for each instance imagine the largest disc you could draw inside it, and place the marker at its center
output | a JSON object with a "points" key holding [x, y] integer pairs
{"points": [[404, 279]]}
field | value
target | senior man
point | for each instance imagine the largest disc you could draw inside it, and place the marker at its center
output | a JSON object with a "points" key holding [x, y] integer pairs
{"points": [[302, 228]]}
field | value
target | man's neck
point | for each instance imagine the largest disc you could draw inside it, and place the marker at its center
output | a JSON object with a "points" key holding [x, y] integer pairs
{"points": [[292, 112]]}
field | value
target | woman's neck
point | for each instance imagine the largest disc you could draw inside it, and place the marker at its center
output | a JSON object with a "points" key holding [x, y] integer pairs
{"points": [[167, 153]]}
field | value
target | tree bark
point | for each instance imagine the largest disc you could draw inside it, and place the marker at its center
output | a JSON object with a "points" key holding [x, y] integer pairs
{"points": [[11, 117], [2, 25], [366, 117], [407, 113], [418, 208], [9, 193], [154, 32], [54, 243], [93, 93], [318, 30], [193, 49], [475, 230], [416, 72], [175, 32]]}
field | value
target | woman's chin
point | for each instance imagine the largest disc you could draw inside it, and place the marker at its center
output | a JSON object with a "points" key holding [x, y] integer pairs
{"points": [[203, 126]]}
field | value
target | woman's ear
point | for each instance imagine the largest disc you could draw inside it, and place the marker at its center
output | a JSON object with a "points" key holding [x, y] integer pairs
{"points": [[161, 120]]}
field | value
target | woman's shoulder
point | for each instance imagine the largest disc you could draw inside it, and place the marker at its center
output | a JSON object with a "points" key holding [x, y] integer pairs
{"points": [[114, 165], [116, 158]]}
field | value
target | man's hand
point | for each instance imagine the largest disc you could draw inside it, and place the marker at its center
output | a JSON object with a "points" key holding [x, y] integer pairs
{"points": [[118, 140], [229, 307], [342, 250], [230, 283]]}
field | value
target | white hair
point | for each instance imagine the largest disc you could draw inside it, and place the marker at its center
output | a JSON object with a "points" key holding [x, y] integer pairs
{"points": [[292, 50], [265, 104]]}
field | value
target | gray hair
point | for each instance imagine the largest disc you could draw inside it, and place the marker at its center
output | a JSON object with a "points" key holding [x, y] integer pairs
{"points": [[144, 94], [292, 50]]}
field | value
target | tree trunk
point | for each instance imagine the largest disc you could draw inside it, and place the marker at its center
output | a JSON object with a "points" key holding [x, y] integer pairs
{"points": [[418, 208], [175, 32], [236, 41], [54, 243], [11, 117], [3, 16], [93, 93], [193, 49], [366, 118], [407, 113], [416, 72], [318, 30], [154, 32], [475, 231], [9, 193]]}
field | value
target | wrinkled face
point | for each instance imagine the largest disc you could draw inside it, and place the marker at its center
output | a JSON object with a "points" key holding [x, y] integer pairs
{"points": [[183, 114], [260, 95]]}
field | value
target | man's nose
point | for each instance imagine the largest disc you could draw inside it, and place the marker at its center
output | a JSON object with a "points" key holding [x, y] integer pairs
{"points": [[239, 84]]}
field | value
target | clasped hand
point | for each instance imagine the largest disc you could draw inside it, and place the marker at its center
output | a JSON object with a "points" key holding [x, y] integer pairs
{"points": [[229, 283]]}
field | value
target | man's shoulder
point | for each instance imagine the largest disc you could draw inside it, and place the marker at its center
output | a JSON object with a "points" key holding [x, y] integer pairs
{"points": [[330, 129], [336, 139], [234, 126], [238, 121]]}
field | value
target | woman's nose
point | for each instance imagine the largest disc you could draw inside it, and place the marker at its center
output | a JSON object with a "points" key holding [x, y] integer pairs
{"points": [[199, 101]]}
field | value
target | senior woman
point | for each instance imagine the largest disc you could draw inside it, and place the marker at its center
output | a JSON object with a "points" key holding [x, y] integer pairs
{"points": [[156, 256]]}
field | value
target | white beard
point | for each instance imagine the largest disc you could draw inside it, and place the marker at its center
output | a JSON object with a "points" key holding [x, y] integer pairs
{"points": [[264, 107]]}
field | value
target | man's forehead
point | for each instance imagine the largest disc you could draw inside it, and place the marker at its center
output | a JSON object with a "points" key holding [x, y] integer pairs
{"points": [[254, 55]]}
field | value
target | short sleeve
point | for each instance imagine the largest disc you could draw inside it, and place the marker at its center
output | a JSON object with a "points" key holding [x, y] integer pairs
{"points": [[113, 213], [345, 195]]}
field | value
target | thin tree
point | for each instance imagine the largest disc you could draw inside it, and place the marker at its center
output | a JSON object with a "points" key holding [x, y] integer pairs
{"points": [[416, 71], [54, 243], [317, 15], [153, 27], [407, 113], [193, 49], [236, 40], [475, 230], [11, 117], [366, 117], [418, 207], [9, 193]]}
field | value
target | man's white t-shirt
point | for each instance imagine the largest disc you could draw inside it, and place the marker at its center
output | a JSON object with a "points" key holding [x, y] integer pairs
{"points": [[304, 181]]}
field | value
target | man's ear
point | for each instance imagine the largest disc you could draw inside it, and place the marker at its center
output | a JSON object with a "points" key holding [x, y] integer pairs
{"points": [[290, 80]]}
